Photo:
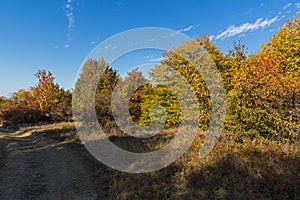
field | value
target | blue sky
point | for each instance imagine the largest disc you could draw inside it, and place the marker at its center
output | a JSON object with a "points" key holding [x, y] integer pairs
{"points": [[57, 35]]}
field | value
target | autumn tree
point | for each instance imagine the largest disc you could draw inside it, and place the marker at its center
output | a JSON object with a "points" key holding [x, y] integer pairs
{"points": [[46, 93], [50, 98], [44, 102], [85, 87], [236, 58], [93, 90], [5, 104], [177, 67], [106, 84], [129, 89], [264, 100]]}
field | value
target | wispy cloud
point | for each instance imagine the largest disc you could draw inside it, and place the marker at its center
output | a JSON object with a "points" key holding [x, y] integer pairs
{"points": [[157, 59], [287, 6], [236, 30], [187, 29], [151, 58], [71, 21], [95, 41], [297, 5], [183, 30], [107, 46]]}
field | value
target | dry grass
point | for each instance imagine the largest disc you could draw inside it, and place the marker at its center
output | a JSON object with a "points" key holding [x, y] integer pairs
{"points": [[251, 170], [254, 169]]}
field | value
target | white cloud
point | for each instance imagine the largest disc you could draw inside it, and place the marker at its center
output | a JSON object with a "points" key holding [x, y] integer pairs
{"points": [[157, 59], [297, 5], [187, 28], [236, 30], [109, 46], [151, 58], [95, 41], [283, 16], [174, 33], [71, 20], [287, 6], [68, 6], [183, 30]]}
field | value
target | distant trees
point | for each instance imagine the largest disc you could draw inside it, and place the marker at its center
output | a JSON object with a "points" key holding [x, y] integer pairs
{"points": [[50, 98], [105, 87], [128, 90], [93, 90], [45, 101], [84, 86], [5, 103]]}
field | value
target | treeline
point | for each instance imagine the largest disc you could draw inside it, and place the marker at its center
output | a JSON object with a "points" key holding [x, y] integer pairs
{"points": [[262, 89], [44, 102]]}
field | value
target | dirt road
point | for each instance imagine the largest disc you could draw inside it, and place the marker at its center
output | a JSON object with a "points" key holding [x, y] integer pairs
{"points": [[36, 166]]}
